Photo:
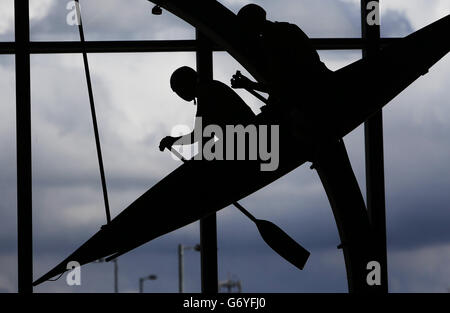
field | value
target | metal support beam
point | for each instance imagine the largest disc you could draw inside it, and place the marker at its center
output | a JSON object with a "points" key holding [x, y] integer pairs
{"points": [[349, 210], [208, 225], [44, 47], [23, 136], [373, 130], [208, 243]]}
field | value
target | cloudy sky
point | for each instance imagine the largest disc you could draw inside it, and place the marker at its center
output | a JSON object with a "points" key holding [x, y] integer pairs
{"points": [[136, 108]]}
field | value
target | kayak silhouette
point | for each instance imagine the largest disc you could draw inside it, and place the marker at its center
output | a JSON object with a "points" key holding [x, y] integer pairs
{"points": [[348, 103]]}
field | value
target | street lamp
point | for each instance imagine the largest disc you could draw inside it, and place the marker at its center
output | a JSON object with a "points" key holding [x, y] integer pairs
{"points": [[181, 249], [142, 279], [116, 273], [229, 284], [156, 10]]}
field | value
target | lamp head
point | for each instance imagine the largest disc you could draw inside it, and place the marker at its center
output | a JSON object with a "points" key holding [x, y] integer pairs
{"points": [[156, 10]]}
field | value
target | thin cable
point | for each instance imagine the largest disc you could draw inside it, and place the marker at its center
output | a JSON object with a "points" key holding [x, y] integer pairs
{"points": [[94, 116], [56, 277]]}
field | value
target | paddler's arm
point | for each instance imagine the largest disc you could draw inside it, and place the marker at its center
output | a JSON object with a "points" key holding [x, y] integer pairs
{"points": [[188, 139], [169, 141]]}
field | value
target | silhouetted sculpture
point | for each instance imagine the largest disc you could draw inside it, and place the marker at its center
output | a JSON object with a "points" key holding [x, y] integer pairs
{"points": [[217, 104], [358, 91], [294, 70], [286, 55]]}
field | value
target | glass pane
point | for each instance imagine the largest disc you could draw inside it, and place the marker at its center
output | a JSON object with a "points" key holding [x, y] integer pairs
{"points": [[416, 132], [135, 108], [7, 20], [8, 182], [317, 18], [400, 18], [105, 20]]}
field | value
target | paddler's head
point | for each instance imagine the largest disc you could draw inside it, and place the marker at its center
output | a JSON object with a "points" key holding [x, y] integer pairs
{"points": [[184, 83], [252, 17]]}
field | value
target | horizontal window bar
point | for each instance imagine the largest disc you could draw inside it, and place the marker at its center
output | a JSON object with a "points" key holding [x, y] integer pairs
{"points": [[46, 47]]}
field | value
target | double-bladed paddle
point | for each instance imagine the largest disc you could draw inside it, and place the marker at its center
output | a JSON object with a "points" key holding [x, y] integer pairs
{"points": [[273, 235]]}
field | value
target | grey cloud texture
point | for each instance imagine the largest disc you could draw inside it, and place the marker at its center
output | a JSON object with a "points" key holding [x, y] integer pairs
{"points": [[112, 20]]}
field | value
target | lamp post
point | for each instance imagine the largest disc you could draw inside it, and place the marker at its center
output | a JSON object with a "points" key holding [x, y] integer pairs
{"points": [[116, 276], [116, 273], [181, 249], [142, 279], [374, 150], [23, 138]]}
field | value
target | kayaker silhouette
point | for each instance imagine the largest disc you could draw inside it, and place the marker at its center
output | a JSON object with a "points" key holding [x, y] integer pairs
{"points": [[294, 69], [217, 104]]}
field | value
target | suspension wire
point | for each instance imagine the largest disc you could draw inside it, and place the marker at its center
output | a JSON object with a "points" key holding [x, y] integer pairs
{"points": [[57, 278], [94, 116]]}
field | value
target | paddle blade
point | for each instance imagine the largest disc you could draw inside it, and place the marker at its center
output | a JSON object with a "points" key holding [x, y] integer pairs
{"points": [[283, 244]]}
